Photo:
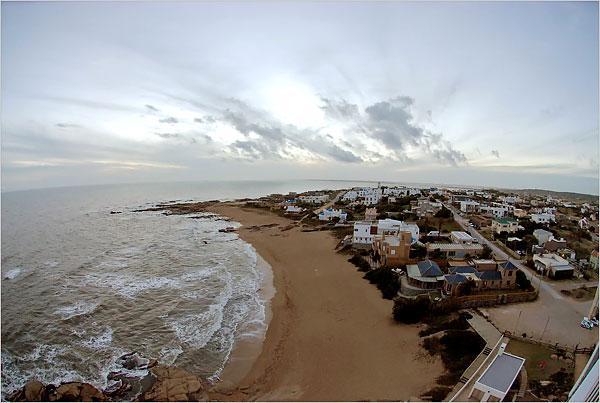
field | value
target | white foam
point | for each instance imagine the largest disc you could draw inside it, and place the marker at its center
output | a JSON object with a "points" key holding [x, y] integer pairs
{"points": [[79, 308], [12, 274], [168, 355], [100, 341], [128, 285]]}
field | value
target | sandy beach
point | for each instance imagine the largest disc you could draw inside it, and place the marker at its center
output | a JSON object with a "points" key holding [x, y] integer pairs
{"points": [[331, 335]]}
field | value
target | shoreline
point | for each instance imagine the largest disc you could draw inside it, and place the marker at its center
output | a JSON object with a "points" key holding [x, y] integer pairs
{"points": [[247, 349], [331, 336]]}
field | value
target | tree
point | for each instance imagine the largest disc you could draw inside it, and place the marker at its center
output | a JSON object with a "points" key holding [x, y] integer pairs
{"points": [[467, 287], [486, 253], [522, 281], [444, 213]]}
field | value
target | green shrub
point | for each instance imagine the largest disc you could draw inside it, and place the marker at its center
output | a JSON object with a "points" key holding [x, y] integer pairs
{"points": [[360, 262], [523, 282], [411, 310], [386, 280]]}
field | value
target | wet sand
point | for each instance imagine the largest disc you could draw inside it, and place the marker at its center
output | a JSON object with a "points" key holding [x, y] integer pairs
{"points": [[331, 335]]}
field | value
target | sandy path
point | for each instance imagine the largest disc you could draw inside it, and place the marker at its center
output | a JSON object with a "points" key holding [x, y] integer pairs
{"points": [[331, 336]]}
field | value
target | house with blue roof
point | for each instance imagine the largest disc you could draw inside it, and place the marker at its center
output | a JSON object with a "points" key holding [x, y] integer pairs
{"points": [[426, 274]]}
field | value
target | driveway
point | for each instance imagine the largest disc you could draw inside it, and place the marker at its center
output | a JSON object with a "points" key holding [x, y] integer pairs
{"points": [[553, 317]]}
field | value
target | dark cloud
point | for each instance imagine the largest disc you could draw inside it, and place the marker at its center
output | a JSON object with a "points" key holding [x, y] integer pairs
{"points": [[67, 125], [151, 108], [169, 119], [496, 153], [339, 108], [169, 135], [341, 155], [210, 119], [390, 122], [198, 120]]}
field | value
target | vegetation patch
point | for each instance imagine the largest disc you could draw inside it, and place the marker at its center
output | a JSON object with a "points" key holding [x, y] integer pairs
{"points": [[360, 262], [457, 349], [409, 310], [387, 281]]}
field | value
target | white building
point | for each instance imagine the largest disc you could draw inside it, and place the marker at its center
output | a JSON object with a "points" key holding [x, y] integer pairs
{"points": [[543, 218], [542, 236], [496, 211], [330, 213], [293, 209], [587, 386], [461, 237], [552, 265], [510, 199], [314, 199], [469, 206], [495, 382], [364, 230]]}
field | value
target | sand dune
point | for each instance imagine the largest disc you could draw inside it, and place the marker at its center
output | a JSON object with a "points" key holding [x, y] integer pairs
{"points": [[331, 336]]}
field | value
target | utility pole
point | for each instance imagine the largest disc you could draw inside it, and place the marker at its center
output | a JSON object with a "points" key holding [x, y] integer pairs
{"points": [[544, 331], [517, 324]]}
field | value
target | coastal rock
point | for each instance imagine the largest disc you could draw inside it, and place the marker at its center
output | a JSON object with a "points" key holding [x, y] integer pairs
{"points": [[74, 392], [34, 391], [175, 384]]}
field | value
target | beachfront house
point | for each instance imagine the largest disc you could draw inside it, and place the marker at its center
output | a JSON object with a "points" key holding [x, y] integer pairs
{"points": [[293, 210], [504, 225], [552, 265], [393, 250], [330, 213], [365, 230], [425, 274], [454, 250]]}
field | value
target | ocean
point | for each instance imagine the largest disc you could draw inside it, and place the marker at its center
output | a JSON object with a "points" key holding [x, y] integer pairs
{"points": [[81, 286]]}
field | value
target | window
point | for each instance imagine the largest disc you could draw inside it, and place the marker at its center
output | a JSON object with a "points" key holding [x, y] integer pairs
{"points": [[510, 273]]}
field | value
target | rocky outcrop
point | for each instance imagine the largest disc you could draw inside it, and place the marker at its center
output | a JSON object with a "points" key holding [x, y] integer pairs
{"points": [[162, 383], [175, 384], [35, 391]]}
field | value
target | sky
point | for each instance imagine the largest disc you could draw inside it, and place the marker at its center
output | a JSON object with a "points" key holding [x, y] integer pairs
{"points": [[489, 94]]}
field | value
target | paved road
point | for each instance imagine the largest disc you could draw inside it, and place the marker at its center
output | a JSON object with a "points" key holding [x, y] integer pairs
{"points": [[500, 254], [330, 203], [552, 317]]}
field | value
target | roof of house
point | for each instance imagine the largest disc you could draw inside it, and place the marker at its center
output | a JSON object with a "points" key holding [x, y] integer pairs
{"points": [[429, 268], [502, 372], [508, 266], [462, 269], [461, 235], [489, 275], [455, 278], [505, 220], [454, 246]]}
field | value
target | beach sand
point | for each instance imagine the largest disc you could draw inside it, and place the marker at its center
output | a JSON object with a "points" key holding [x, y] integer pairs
{"points": [[331, 335]]}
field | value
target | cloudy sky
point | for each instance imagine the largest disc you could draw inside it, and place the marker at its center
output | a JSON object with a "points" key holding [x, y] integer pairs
{"points": [[497, 94]]}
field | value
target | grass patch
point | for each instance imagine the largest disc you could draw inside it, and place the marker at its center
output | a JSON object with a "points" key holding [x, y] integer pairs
{"points": [[581, 293], [538, 362]]}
